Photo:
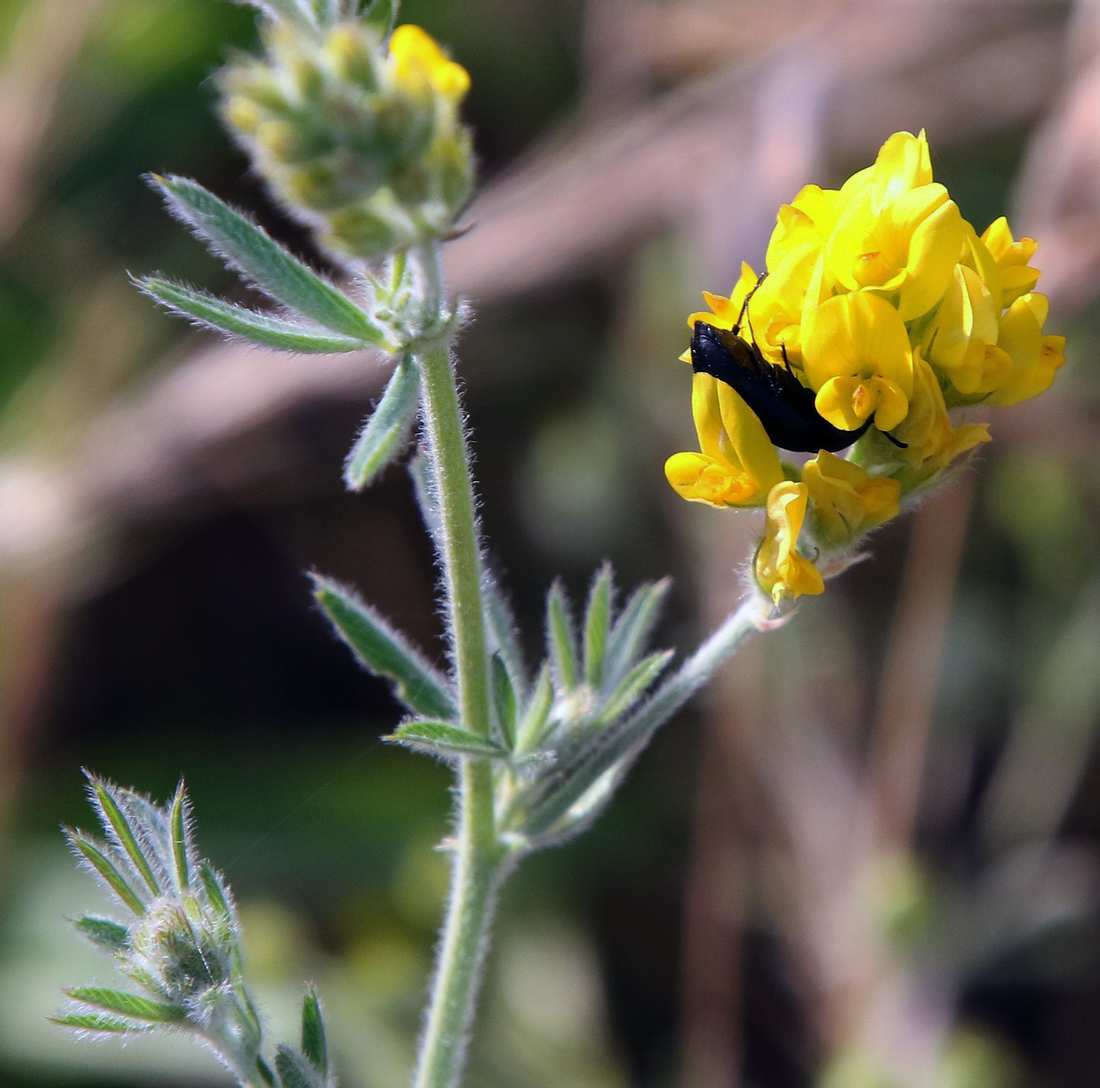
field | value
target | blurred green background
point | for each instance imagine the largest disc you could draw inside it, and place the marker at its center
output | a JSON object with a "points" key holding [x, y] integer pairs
{"points": [[879, 830]]}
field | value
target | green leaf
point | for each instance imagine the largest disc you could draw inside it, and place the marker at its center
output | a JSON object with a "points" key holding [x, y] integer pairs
{"points": [[215, 891], [103, 932], [95, 855], [95, 1021], [259, 328], [115, 820], [503, 633], [634, 685], [131, 1005], [383, 651], [314, 1044], [444, 739], [243, 244], [504, 700], [179, 814], [597, 624], [535, 713], [387, 428], [560, 639], [632, 629], [295, 1070]]}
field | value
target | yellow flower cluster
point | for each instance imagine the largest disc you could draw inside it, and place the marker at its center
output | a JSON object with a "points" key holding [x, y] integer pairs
{"points": [[886, 309], [359, 137]]}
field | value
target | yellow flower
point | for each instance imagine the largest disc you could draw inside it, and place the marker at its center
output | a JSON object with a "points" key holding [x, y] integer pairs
{"points": [[1033, 357], [780, 570], [847, 502], [1017, 276], [737, 465], [857, 356], [898, 233], [962, 339], [933, 443], [421, 66]]}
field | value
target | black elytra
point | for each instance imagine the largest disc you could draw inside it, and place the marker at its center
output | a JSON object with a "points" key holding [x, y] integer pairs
{"points": [[776, 397]]}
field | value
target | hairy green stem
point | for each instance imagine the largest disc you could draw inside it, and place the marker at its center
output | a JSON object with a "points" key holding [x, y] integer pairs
{"points": [[479, 860]]}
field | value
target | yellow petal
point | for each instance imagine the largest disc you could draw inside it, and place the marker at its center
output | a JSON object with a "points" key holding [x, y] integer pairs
{"points": [[780, 570]]}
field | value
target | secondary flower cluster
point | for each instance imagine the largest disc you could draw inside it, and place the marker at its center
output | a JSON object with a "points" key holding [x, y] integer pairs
{"points": [[360, 138], [881, 310]]}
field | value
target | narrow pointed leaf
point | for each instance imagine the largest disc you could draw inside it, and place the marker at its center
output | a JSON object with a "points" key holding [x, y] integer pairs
{"points": [[131, 1005], [387, 429], [634, 685], [504, 701], [533, 723], [632, 629], [383, 651], [560, 639], [179, 816], [294, 1070], [98, 860], [597, 625], [314, 1043], [248, 248], [259, 328], [96, 1021], [103, 932], [503, 633], [215, 892], [115, 820], [445, 739]]}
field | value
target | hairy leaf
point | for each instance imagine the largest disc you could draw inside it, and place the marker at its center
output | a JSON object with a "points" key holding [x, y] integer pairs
{"points": [[383, 651], [444, 739], [238, 240], [387, 428], [274, 332], [131, 1005]]}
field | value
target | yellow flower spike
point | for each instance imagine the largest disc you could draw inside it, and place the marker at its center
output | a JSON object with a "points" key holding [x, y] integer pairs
{"points": [[780, 571], [847, 502], [1034, 357], [856, 354], [420, 64], [1018, 277], [737, 465]]}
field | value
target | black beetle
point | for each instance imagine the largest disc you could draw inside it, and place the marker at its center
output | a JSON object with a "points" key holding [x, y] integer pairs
{"points": [[777, 398]]}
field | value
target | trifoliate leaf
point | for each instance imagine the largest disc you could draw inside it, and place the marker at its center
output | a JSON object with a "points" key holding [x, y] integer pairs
{"points": [[238, 240]]}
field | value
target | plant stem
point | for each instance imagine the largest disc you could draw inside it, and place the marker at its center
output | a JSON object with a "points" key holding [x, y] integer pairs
{"points": [[479, 862]]}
